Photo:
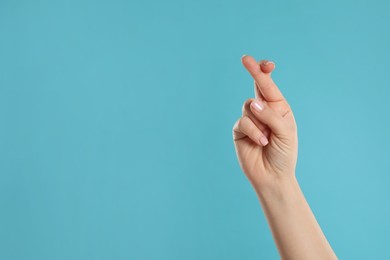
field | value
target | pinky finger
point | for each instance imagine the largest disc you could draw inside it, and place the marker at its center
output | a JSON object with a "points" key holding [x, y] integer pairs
{"points": [[245, 127]]}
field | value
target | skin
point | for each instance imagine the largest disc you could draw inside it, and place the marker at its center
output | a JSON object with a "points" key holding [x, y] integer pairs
{"points": [[266, 143]]}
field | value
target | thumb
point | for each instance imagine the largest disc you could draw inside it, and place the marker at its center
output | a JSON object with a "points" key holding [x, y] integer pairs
{"points": [[270, 117]]}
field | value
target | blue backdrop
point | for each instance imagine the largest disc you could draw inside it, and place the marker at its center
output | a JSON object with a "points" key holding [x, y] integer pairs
{"points": [[116, 119]]}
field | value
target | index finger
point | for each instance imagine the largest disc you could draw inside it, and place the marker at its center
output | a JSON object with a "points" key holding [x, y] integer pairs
{"points": [[263, 80]]}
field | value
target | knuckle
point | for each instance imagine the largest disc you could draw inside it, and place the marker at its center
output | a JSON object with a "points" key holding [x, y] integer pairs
{"points": [[236, 125], [267, 86], [249, 125], [241, 122], [236, 128], [245, 119]]}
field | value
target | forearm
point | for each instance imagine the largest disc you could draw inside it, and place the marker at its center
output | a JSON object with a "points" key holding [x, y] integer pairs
{"points": [[293, 225]]}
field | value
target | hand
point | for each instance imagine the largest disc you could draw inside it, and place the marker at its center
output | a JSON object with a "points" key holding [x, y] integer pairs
{"points": [[265, 137], [266, 143]]}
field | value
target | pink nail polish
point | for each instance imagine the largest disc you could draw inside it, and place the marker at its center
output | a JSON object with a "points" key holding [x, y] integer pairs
{"points": [[257, 105], [265, 63], [263, 140]]}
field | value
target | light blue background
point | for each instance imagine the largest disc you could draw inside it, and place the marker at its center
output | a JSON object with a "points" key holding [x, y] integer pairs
{"points": [[116, 118]]}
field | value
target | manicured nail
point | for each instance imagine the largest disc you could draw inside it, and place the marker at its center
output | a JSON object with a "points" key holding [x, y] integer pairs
{"points": [[263, 140], [267, 62], [257, 105]]}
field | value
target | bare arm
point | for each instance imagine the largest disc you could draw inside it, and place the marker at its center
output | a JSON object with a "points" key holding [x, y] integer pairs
{"points": [[295, 230], [266, 143]]}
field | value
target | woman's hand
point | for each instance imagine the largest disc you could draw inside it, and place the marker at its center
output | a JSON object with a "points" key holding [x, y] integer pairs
{"points": [[266, 144], [265, 137]]}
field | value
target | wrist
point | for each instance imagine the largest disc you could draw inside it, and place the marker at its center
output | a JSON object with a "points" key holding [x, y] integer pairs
{"points": [[284, 189]]}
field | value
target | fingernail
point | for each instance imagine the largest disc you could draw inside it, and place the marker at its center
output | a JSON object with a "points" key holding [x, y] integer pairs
{"points": [[257, 105], [267, 62], [243, 56], [263, 140]]}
